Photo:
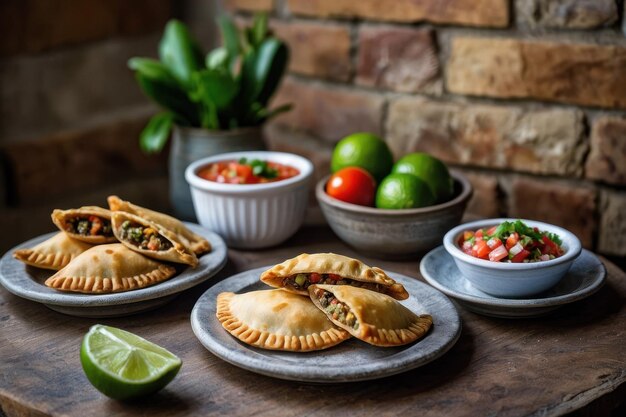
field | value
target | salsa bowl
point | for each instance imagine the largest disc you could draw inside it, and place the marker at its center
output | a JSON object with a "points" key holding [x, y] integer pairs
{"points": [[394, 234], [251, 216], [502, 279]]}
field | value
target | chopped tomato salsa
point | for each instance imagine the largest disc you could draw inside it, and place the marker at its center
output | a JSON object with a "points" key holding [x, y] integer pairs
{"points": [[511, 242], [247, 172]]}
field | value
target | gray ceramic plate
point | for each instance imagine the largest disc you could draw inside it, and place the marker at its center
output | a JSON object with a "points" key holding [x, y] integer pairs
{"points": [[28, 282], [351, 360], [584, 278]]}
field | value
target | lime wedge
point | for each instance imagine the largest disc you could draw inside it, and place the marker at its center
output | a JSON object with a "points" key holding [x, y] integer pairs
{"points": [[123, 365]]}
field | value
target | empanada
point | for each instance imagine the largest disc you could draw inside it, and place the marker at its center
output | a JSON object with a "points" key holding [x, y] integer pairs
{"points": [[109, 268], [151, 239], [277, 320], [90, 224], [370, 316], [54, 253], [298, 273], [198, 244]]}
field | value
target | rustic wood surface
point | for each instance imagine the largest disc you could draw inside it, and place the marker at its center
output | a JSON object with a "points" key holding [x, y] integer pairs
{"points": [[572, 360]]}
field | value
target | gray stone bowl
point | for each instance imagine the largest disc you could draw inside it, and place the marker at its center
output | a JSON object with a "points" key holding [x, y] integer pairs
{"points": [[394, 234]]}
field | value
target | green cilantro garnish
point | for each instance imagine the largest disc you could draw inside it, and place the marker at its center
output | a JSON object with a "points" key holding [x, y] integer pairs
{"points": [[260, 168]]}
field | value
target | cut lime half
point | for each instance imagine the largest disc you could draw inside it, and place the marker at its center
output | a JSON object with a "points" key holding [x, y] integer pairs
{"points": [[123, 365]]}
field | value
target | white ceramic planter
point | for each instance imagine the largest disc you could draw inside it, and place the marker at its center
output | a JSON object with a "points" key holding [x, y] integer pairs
{"points": [[252, 216]]}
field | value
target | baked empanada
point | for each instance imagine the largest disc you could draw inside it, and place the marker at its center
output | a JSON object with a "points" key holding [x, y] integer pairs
{"points": [[298, 273], [54, 253], [90, 224], [151, 239], [370, 316], [277, 320], [109, 268], [198, 244]]}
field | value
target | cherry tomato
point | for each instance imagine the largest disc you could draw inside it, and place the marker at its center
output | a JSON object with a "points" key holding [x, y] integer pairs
{"points": [[352, 185]]}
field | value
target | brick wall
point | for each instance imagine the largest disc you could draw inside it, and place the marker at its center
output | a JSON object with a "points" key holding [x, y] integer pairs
{"points": [[526, 97], [70, 109]]}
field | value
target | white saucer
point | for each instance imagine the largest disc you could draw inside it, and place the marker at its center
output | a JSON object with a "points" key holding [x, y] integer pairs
{"points": [[584, 278]]}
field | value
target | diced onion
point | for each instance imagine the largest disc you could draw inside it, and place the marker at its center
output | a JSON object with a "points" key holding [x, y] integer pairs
{"points": [[492, 242], [517, 248], [498, 253], [544, 258]]}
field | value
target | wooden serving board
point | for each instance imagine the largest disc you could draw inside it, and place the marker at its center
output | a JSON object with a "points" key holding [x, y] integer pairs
{"points": [[573, 359]]}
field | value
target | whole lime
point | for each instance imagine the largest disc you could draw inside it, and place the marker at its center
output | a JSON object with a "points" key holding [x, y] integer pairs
{"points": [[403, 191], [364, 150], [123, 365], [431, 170]]}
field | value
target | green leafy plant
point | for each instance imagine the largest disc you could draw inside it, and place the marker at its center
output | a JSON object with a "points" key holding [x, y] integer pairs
{"points": [[228, 88]]}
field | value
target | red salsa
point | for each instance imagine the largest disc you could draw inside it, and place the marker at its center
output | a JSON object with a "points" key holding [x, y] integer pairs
{"points": [[245, 171], [512, 242]]}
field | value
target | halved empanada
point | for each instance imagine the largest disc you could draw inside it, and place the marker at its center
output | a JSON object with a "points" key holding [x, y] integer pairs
{"points": [[109, 268], [370, 316], [151, 239], [277, 320], [54, 253], [298, 273], [198, 244], [90, 224]]}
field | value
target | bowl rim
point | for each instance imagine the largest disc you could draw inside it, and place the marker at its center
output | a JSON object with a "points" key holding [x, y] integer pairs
{"points": [[301, 163], [466, 193], [574, 247]]}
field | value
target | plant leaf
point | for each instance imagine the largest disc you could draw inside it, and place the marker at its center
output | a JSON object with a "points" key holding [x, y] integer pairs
{"points": [[262, 71], [157, 131], [169, 97], [179, 52], [152, 69], [230, 38], [259, 29], [215, 86], [218, 58], [266, 114]]}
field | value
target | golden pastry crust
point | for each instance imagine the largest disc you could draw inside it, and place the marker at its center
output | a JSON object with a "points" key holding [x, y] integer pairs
{"points": [[382, 320], [109, 268], [331, 263], [54, 253], [178, 252], [61, 219], [197, 243], [277, 320]]}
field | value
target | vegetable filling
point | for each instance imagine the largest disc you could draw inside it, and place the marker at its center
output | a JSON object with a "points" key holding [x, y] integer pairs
{"points": [[304, 280], [339, 311], [144, 237], [89, 226]]}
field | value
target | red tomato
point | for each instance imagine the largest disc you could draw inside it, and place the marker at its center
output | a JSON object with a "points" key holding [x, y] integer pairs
{"points": [[481, 249], [352, 185], [520, 256], [335, 277], [315, 277], [511, 240]]}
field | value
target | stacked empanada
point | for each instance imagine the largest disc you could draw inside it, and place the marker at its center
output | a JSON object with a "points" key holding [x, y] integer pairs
{"points": [[101, 251], [322, 299]]}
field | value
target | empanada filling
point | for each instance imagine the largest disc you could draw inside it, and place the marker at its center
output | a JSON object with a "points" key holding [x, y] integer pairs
{"points": [[303, 281], [144, 237], [89, 226], [339, 311]]}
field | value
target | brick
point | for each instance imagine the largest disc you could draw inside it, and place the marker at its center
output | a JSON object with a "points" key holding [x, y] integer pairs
{"points": [[569, 205], [400, 59], [329, 112], [60, 90], [567, 14], [250, 5], [318, 50], [77, 160], [494, 13], [583, 74], [139, 17], [612, 235], [607, 159], [485, 201], [541, 141]]}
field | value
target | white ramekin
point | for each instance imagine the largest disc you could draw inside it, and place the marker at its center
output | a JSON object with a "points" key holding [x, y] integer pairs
{"points": [[252, 216]]}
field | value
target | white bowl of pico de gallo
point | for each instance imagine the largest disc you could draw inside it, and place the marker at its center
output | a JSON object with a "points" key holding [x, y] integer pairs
{"points": [[253, 199], [512, 257]]}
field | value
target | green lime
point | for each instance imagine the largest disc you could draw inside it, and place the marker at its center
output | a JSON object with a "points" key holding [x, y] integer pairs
{"points": [[431, 170], [364, 150], [403, 191], [122, 365]]}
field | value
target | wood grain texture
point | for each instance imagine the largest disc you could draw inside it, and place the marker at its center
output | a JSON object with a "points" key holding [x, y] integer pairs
{"points": [[548, 366]]}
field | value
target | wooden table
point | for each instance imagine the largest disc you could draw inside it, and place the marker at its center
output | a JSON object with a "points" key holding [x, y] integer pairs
{"points": [[574, 359]]}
